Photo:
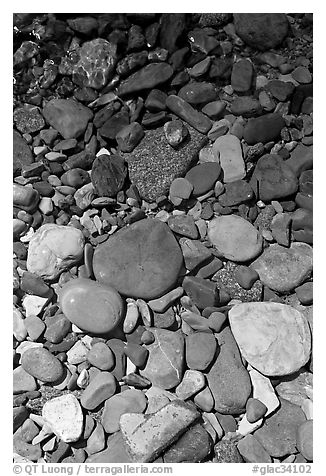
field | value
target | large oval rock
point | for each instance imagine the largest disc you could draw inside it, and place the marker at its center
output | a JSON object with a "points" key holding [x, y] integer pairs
{"points": [[261, 30], [41, 364], [283, 269], [67, 116], [54, 248], [90, 306], [164, 367], [108, 175], [228, 379], [235, 238], [100, 388], [140, 261], [273, 178], [274, 338]]}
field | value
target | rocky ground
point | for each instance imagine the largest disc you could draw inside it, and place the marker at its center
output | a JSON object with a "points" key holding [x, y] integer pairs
{"points": [[162, 229]]}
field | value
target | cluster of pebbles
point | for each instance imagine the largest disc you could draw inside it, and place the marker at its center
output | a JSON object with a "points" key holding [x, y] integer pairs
{"points": [[162, 227]]}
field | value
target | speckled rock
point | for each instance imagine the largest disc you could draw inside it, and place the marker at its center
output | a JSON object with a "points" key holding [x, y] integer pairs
{"points": [[225, 279], [274, 338], [130, 259], [153, 164], [53, 249], [283, 269], [226, 451]]}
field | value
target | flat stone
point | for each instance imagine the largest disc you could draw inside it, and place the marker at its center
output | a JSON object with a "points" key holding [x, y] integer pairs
{"points": [[274, 338], [108, 175], [252, 451], [57, 327], [242, 75], [53, 249], [235, 193], [283, 269], [263, 129], [201, 291], [280, 228], [192, 447], [203, 177], [246, 106], [200, 350], [65, 417], [164, 367], [235, 238], [100, 388], [302, 75], [278, 434], [91, 306], [194, 253], [153, 164], [229, 149], [161, 305], [147, 77], [116, 452], [228, 379], [262, 31], [185, 111], [183, 225], [42, 365], [192, 382], [67, 116], [281, 90], [199, 92], [129, 401], [22, 154], [147, 437], [129, 260], [273, 179], [23, 381], [263, 390]]}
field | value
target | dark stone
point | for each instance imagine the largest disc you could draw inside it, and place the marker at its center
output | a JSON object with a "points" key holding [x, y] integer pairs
{"points": [[129, 137], [261, 30], [183, 225], [246, 106], [156, 101], [33, 284], [129, 63], [22, 155], [236, 193], [115, 124], [108, 175], [201, 291], [273, 178], [263, 129], [192, 447], [203, 177], [146, 78], [198, 92], [242, 75], [280, 89], [186, 112], [172, 27]]}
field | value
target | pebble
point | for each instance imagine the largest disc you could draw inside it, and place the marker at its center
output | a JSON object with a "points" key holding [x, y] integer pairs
{"points": [[199, 92], [67, 116], [235, 238], [146, 438], [64, 415], [100, 388], [201, 348], [161, 305], [180, 189], [203, 177], [274, 338], [185, 111], [54, 248], [273, 178], [305, 293], [151, 240], [302, 75], [57, 327], [201, 291], [262, 31], [132, 315], [41, 364], [204, 400], [227, 378], [164, 367], [129, 401], [252, 450], [192, 382], [296, 387], [25, 197], [101, 356], [242, 75], [175, 132], [245, 276], [82, 299], [23, 381], [263, 390], [255, 410], [108, 175], [192, 447], [146, 78], [33, 305], [283, 269], [214, 109], [229, 149], [263, 129]]}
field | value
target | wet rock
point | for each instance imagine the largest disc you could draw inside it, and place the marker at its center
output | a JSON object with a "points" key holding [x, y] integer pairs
{"points": [[146, 78], [22, 154], [262, 31], [108, 175]]}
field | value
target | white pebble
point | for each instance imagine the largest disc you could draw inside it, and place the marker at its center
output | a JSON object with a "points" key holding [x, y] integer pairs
{"points": [[132, 316], [65, 417], [83, 379], [33, 305]]}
